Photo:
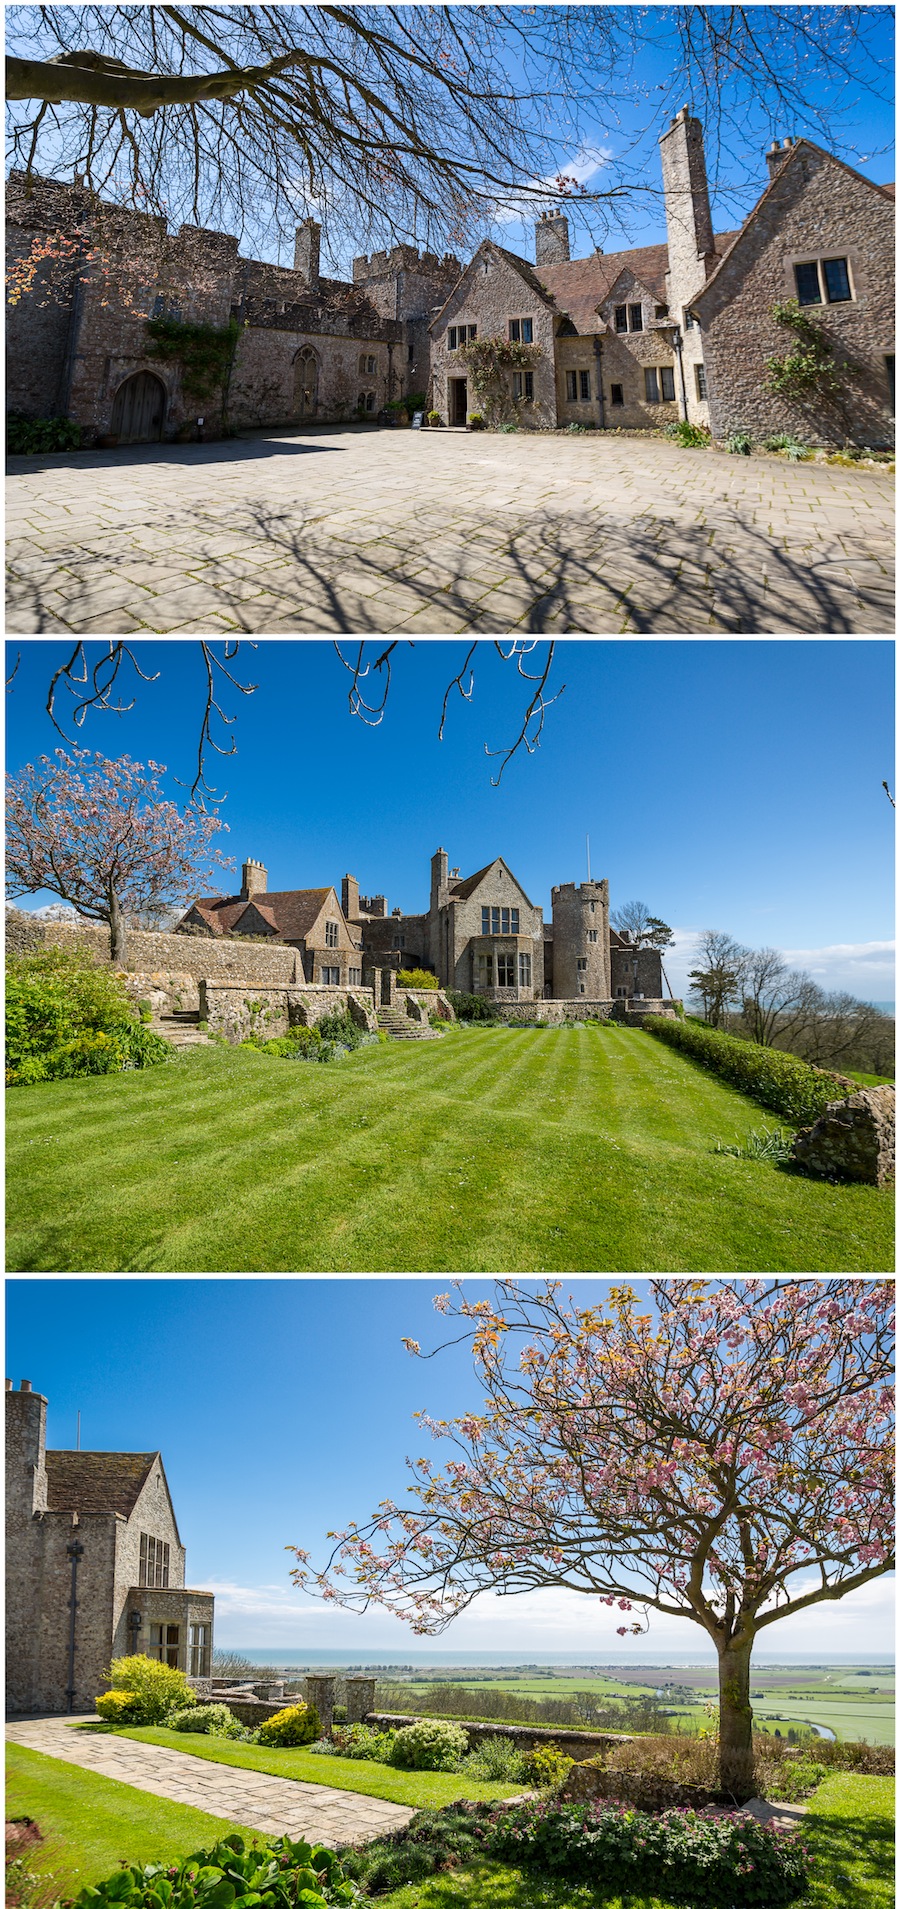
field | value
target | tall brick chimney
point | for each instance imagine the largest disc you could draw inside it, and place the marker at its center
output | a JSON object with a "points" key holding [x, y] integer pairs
{"points": [[254, 880], [551, 238], [307, 241]]}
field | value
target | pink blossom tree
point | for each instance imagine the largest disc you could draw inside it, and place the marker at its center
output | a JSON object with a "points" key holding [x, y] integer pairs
{"points": [[101, 835], [721, 1454]]}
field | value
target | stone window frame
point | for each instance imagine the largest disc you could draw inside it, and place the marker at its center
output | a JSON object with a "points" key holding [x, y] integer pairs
{"points": [[520, 331], [581, 964], [700, 383], [199, 1648], [459, 335], [332, 934], [330, 977], [855, 276], [523, 387], [613, 399], [153, 1565], [524, 966], [659, 374], [366, 402], [689, 319], [368, 364], [506, 969], [493, 922], [354, 977], [165, 1649]]}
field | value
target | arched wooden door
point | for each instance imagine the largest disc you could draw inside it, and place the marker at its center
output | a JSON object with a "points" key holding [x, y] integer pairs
{"points": [[306, 385], [139, 409]]}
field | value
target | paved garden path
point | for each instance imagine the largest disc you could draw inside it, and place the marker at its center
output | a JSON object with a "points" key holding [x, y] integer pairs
{"points": [[434, 532], [274, 1805]]}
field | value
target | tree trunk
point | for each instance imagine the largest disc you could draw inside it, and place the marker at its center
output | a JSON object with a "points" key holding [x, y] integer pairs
{"points": [[736, 1721], [118, 931]]}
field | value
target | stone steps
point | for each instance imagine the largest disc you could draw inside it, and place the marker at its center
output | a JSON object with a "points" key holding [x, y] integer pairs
{"points": [[400, 1027], [180, 1029]]}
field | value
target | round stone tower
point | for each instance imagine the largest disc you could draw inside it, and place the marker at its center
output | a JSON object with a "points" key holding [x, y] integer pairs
{"points": [[581, 941]]}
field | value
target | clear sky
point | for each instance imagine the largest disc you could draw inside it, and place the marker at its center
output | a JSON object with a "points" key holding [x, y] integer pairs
{"points": [[733, 785], [283, 1409]]}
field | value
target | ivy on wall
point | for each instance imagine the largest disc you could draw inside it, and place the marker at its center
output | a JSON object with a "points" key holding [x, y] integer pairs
{"points": [[487, 360], [807, 374], [204, 352]]}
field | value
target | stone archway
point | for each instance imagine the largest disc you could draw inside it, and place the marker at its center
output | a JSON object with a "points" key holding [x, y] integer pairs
{"points": [[306, 385], [139, 409]]}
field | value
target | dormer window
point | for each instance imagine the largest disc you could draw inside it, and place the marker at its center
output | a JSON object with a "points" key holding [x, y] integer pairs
{"points": [[629, 317]]}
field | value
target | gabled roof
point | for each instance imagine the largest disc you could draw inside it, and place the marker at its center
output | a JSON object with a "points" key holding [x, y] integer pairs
{"points": [[461, 891], [800, 145], [575, 287], [525, 271], [290, 911], [97, 1481]]}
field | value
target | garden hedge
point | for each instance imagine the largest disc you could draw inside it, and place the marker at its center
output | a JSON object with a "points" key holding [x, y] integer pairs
{"points": [[780, 1081]]}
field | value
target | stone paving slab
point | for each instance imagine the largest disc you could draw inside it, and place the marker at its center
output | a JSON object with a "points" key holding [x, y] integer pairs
{"points": [[274, 1805], [349, 531]]}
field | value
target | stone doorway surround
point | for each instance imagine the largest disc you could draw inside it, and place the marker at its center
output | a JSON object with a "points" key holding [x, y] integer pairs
{"points": [[272, 1805]]}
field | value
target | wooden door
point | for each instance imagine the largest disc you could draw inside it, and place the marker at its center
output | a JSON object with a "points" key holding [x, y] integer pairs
{"points": [[139, 409]]}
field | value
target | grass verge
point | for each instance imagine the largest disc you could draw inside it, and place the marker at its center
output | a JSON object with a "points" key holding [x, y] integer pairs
{"points": [[90, 1823], [420, 1789], [850, 1829], [495, 1150]]}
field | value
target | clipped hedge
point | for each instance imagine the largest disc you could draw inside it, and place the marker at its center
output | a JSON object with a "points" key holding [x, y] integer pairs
{"points": [[154, 1690], [780, 1081], [701, 1861], [292, 1727]]}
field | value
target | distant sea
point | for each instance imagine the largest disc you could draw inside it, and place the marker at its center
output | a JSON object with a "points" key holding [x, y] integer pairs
{"points": [[420, 1659]]}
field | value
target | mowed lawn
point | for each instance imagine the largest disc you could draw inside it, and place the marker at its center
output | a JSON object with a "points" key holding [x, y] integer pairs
{"points": [[545, 1150]]}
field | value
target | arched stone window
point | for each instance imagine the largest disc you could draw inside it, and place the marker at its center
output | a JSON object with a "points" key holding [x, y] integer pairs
{"points": [[306, 384]]}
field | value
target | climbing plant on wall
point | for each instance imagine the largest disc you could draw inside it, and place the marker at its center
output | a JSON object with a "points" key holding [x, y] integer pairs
{"points": [[204, 352], [807, 374], [487, 360]]}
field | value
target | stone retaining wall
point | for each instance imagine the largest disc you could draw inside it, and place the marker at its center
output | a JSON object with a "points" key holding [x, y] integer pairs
{"points": [[245, 963], [641, 1788], [238, 1012], [554, 1012]]}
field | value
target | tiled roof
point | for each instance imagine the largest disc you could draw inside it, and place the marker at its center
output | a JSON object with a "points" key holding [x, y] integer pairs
{"points": [[291, 911], [578, 286], [97, 1481], [467, 887]]}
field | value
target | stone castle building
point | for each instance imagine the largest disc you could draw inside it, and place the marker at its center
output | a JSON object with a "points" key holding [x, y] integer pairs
{"points": [[99, 1528], [630, 339], [481, 934]]}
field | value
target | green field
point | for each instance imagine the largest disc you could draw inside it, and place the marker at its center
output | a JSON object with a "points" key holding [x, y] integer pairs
{"points": [[492, 1151]]}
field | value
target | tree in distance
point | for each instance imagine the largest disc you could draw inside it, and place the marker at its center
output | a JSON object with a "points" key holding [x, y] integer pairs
{"points": [[101, 835], [724, 1456], [716, 979], [642, 929]]}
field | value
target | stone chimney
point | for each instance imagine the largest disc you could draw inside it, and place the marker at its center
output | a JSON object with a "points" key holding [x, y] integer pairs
{"points": [[777, 154], [26, 1451], [350, 898], [551, 238], [254, 880], [439, 866], [688, 217], [307, 241]]}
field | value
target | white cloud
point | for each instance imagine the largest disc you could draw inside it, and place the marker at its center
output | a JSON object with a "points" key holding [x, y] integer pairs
{"points": [[864, 968], [583, 166]]}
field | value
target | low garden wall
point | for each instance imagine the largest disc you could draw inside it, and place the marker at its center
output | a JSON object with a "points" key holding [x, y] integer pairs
{"points": [[554, 1012], [641, 1788], [246, 963], [238, 1012], [525, 1736]]}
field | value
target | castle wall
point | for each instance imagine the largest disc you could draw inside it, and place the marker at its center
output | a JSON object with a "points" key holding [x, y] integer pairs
{"points": [[649, 979], [815, 208]]}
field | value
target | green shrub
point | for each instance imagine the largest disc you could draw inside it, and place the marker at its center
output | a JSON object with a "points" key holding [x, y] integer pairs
{"points": [[771, 1143], [867, 1759], [434, 419], [546, 1766], [209, 1720], [416, 978], [780, 1081], [30, 436], [790, 445], [472, 1007], [155, 1688], [297, 1724], [340, 1028], [432, 1840], [116, 1706], [277, 1875], [360, 1741], [703, 1862], [510, 425], [67, 1016], [739, 443], [688, 435], [429, 1745], [796, 1779], [496, 1760]]}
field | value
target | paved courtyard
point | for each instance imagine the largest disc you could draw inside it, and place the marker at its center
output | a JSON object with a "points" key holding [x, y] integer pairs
{"points": [[349, 531], [273, 1805]]}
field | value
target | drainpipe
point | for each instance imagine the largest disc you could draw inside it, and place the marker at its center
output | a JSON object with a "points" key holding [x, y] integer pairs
{"points": [[75, 1552], [598, 356], [677, 348]]}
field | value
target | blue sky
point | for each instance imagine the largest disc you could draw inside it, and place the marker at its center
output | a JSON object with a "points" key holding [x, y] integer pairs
{"points": [[283, 1408], [733, 785]]}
